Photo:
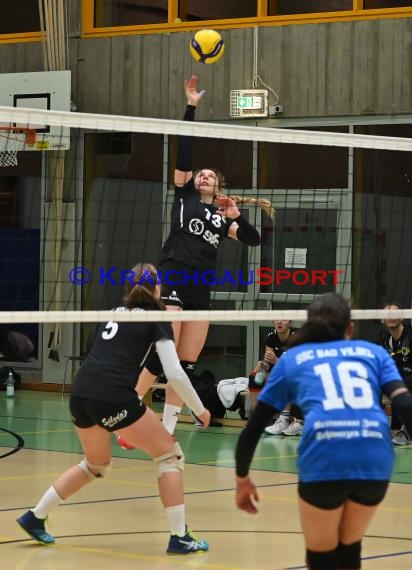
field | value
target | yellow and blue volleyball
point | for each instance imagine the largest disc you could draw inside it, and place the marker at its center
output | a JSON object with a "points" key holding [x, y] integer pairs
{"points": [[207, 46]]}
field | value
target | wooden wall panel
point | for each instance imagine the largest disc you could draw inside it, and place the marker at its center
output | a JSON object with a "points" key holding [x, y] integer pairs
{"points": [[319, 70]]}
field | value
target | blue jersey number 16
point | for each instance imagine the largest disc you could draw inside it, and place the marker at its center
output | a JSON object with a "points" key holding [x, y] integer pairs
{"points": [[352, 376]]}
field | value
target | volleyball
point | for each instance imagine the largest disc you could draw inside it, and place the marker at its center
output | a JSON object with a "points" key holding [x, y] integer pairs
{"points": [[207, 46]]}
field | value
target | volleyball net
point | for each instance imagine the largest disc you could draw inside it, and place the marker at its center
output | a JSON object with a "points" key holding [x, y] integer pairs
{"points": [[75, 221]]}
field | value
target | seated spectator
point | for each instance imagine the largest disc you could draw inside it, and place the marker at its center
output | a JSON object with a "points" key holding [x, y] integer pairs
{"points": [[397, 340], [275, 345]]}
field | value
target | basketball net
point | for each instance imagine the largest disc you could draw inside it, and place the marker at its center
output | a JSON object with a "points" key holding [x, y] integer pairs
{"points": [[9, 157]]}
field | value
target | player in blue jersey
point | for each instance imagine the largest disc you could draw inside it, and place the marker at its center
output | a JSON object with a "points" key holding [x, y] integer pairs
{"points": [[345, 455]]}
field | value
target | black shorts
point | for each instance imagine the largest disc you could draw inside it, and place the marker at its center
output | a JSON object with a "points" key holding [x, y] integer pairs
{"points": [[183, 286], [332, 494], [86, 413]]}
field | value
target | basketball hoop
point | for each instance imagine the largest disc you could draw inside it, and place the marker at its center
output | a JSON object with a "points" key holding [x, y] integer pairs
{"points": [[13, 140]]}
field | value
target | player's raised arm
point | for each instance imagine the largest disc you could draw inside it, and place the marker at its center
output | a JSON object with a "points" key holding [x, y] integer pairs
{"points": [[184, 167]]}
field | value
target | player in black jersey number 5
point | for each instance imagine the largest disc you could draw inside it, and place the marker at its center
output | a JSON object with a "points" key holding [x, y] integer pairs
{"points": [[103, 400]]}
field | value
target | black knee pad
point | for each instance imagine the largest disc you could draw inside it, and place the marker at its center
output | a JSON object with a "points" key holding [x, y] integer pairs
{"points": [[322, 560], [188, 367], [154, 365], [349, 556]]}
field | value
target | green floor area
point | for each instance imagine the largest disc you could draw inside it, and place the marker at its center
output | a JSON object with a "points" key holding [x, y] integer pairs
{"points": [[42, 421]]}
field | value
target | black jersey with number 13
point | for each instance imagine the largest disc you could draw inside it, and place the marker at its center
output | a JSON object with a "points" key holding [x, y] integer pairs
{"points": [[196, 232]]}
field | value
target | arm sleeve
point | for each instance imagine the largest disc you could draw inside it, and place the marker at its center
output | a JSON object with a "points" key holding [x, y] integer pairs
{"points": [[250, 436], [184, 144], [176, 375], [391, 386], [246, 233]]}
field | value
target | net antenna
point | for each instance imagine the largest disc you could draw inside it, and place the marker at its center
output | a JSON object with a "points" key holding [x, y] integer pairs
{"points": [[14, 139]]}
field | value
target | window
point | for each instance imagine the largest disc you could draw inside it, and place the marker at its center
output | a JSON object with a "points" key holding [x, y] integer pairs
{"points": [[383, 236], [284, 7], [123, 201], [20, 212], [193, 10], [302, 166], [232, 158], [374, 4], [20, 16], [130, 12]]}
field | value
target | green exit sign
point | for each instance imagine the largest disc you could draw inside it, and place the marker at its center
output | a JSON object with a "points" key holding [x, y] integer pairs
{"points": [[249, 102]]}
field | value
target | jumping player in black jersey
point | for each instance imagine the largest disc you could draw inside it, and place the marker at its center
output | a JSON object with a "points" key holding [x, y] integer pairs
{"points": [[202, 217], [103, 400]]}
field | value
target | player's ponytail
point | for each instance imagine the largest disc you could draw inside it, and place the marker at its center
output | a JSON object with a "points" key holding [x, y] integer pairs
{"points": [[263, 203], [139, 289], [328, 319]]}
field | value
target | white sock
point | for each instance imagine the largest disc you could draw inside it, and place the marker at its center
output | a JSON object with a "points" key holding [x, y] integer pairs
{"points": [[177, 519], [170, 416], [47, 503]]}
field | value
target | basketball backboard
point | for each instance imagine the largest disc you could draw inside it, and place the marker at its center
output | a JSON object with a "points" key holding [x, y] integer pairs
{"points": [[46, 90]]}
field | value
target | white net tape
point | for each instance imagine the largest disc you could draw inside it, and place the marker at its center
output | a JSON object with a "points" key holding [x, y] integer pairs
{"points": [[8, 158], [161, 316], [120, 123]]}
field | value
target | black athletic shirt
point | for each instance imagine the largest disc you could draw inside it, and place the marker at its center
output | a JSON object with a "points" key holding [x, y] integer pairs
{"points": [[276, 343], [110, 371], [400, 350], [196, 232]]}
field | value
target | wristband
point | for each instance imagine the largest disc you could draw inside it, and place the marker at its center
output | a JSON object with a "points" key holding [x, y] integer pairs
{"points": [[189, 113]]}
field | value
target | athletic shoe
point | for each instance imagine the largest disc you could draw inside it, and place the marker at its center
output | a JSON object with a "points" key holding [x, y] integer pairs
{"points": [[295, 428], [186, 544], [402, 437], [35, 528], [280, 424], [123, 443]]}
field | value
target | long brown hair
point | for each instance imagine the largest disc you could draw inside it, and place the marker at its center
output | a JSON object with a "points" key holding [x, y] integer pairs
{"points": [[263, 203], [139, 289]]}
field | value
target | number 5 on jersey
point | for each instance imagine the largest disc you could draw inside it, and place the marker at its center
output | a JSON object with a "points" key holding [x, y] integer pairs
{"points": [[110, 330]]}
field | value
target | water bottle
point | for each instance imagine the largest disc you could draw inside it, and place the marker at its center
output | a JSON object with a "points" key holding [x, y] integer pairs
{"points": [[10, 385], [261, 374]]}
